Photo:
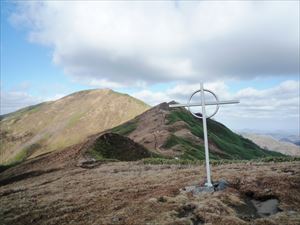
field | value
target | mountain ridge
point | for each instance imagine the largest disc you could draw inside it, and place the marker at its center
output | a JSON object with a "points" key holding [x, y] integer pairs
{"points": [[163, 131], [174, 132], [158, 134], [54, 125]]}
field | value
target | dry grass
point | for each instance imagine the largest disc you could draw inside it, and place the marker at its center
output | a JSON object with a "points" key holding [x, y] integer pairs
{"points": [[75, 116], [133, 193]]}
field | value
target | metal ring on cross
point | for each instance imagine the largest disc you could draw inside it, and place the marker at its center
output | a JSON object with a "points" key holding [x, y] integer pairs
{"points": [[217, 104]]}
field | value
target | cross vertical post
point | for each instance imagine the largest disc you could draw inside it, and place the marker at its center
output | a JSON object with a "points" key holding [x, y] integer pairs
{"points": [[203, 104], [208, 184]]}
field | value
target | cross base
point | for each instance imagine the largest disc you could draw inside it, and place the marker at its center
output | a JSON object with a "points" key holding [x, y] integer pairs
{"points": [[197, 189], [208, 184]]}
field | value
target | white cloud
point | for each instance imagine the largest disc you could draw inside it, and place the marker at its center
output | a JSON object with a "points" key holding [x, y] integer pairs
{"points": [[276, 103], [119, 44], [14, 100], [180, 92], [136, 44], [54, 97], [152, 98], [281, 101]]}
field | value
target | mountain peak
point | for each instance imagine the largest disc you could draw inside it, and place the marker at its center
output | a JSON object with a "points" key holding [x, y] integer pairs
{"points": [[53, 126], [90, 91]]}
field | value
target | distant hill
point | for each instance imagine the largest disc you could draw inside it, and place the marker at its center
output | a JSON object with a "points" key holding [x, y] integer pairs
{"points": [[55, 125], [160, 132], [270, 143], [171, 132], [290, 140], [91, 119], [279, 135]]}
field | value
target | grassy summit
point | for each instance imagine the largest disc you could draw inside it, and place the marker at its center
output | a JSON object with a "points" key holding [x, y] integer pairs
{"points": [[54, 125]]}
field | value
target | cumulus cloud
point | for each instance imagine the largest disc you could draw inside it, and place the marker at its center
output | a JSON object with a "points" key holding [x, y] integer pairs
{"points": [[14, 100], [181, 93], [276, 103], [119, 44], [17, 99]]}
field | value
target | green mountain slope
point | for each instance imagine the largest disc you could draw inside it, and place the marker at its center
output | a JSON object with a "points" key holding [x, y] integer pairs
{"points": [[232, 145], [52, 126], [176, 133]]}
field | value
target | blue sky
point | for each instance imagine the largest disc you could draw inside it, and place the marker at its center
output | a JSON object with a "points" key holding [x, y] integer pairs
{"points": [[156, 52], [34, 71]]}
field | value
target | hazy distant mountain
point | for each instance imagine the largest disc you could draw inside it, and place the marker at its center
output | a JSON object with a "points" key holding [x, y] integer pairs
{"points": [[280, 135], [55, 125], [290, 140], [268, 142]]}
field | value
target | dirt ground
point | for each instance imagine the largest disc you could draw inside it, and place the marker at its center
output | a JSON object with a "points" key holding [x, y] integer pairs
{"points": [[134, 193]]}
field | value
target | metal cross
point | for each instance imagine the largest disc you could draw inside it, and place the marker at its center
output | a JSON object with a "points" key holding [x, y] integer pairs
{"points": [[203, 103]]}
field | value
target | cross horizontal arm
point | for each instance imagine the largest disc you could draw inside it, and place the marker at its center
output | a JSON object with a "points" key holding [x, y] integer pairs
{"points": [[206, 103]]}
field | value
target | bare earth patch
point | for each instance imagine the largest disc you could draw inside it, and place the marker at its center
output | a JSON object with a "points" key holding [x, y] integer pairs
{"points": [[133, 193]]}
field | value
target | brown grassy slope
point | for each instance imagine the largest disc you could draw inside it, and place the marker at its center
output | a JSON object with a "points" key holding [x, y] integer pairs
{"points": [[133, 193], [152, 131], [69, 120], [176, 133]]}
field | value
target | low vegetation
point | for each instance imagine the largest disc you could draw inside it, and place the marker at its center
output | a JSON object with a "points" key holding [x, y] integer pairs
{"points": [[126, 128], [115, 146], [191, 150], [164, 161], [131, 193], [22, 155], [233, 146]]}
